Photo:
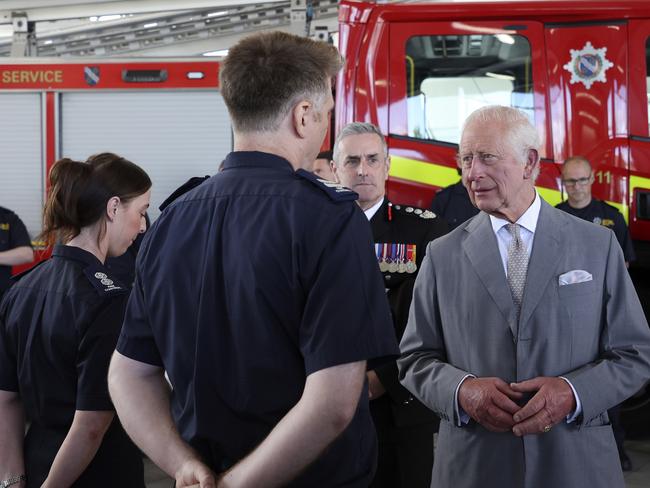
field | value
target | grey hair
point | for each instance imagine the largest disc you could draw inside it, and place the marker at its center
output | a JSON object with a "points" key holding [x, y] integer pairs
{"points": [[356, 129], [521, 134]]}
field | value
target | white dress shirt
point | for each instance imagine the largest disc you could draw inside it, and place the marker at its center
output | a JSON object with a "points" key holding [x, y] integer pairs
{"points": [[370, 212]]}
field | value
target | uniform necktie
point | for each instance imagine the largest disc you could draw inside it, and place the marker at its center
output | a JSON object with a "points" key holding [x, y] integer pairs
{"points": [[517, 265]]}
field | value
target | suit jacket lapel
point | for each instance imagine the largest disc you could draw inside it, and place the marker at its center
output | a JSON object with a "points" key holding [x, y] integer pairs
{"points": [[543, 258], [483, 252]]}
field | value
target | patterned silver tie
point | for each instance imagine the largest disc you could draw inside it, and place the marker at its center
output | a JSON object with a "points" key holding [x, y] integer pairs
{"points": [[517, 265]]}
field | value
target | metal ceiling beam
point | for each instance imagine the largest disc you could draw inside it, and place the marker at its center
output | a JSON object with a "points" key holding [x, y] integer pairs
{"points": [[175, 33], [42, 10]]}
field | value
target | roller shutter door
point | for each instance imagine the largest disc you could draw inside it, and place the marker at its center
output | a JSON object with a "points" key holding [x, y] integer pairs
{"points": [[21, 167], [172, 135]]}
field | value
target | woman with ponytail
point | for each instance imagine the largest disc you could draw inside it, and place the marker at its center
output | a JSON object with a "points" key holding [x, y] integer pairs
{"points": [[59, 324]]}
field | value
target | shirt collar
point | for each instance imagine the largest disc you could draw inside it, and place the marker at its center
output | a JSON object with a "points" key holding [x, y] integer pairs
{"points": [[528, 219], [370, 212], [76, 253], [256, 159]]}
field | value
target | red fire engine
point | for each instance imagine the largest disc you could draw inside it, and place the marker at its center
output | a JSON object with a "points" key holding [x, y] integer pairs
{"points": [[580, 69]]}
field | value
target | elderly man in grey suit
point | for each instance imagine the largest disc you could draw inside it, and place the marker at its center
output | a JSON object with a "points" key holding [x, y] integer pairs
{"points": [[517, 337]]}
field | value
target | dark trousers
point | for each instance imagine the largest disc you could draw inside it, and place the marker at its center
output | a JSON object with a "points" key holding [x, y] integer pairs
{"points": [[615, 419], [405, 458]]}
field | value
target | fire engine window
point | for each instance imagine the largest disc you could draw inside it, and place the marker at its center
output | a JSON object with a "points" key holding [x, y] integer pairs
{"points": [[448, 77]]}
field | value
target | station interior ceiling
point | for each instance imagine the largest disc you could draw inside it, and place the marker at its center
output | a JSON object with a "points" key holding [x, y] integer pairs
{"points": [[151, 28]]}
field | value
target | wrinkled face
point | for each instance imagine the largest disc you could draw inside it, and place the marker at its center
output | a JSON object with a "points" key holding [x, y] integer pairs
{"points": [[497, 179], [129, 221], [322, 169], [363, 167], [577, 178]]}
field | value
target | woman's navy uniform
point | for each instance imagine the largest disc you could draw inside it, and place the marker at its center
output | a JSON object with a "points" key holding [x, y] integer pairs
{"points": [[59, 324], [246, 285]]}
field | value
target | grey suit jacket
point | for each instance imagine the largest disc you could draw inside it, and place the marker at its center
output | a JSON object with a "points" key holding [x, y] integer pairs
{"points": [[594, 333]]}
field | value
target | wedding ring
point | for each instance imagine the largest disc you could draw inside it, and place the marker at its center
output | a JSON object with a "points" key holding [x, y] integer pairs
{"points": [[547, 428]]}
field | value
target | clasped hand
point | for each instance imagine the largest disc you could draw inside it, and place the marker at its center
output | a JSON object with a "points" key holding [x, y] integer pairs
{"points": [[493, 403]]}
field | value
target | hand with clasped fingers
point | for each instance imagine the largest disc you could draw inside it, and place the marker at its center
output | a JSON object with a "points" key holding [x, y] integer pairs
{"points": [[490, 402], [195, 474], [552, 401]]}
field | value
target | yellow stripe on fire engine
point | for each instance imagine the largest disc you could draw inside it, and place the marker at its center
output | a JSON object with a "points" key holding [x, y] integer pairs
{"points": [[421, 172], [552, 197]]}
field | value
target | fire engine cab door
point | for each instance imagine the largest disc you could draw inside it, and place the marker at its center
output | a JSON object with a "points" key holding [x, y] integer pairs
{"points": [[639, 164], [588, 97], [442, 71]]}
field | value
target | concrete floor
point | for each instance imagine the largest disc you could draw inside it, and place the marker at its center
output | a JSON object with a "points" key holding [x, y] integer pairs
{"points": [[638, 450]]}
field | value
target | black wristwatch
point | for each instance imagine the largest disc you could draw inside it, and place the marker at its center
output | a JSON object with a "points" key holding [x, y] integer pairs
{"points": [[12, 481]]}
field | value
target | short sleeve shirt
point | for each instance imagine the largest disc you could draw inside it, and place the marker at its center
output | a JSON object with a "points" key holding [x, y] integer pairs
{"points": [[59, 324], [603, 214], [13, 234], [245, 286]]}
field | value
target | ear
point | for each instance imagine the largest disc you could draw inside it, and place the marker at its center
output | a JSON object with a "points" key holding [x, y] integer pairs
{"points": [[111, 208], [387, 167], [334, 168], [299, 117], [532, 162]]}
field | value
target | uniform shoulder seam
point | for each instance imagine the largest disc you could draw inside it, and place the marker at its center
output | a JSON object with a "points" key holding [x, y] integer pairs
{"points": [[335, 191]]}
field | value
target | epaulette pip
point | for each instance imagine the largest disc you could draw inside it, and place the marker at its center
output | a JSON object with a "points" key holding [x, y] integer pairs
{"points": [[181, 190], [335, 191], [420, 212], [102, 282]]}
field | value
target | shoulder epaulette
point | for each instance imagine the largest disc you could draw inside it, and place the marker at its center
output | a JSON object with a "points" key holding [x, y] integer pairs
{"points": [[181, 190], [419, 212], [102, 282], [335, 191]]}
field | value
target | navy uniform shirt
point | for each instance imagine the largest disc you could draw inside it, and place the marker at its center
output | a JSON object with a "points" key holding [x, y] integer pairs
{"points": [[59, 324], [604, 214], [247, 284], [13, 234], [453, 205]]}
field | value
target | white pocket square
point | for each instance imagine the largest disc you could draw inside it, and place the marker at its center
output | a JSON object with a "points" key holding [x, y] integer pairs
{"points": [[575, 276]]}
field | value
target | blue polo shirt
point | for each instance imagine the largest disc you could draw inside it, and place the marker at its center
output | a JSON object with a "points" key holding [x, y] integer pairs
{"points": [[247, 284]]}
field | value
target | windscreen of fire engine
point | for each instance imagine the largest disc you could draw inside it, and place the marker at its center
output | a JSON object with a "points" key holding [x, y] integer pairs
{"points": [[448, 77]]}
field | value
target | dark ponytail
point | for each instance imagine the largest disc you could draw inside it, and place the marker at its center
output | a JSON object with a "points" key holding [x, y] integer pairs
{"points": [[80, 191]]}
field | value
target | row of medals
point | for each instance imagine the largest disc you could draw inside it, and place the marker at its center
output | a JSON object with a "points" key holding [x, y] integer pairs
{"points": [[395, 262]]}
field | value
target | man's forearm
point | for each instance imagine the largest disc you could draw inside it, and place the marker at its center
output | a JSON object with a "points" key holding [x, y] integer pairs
{"points": [[304, 432], [148, 420], [16, 256], [12, 433]]}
